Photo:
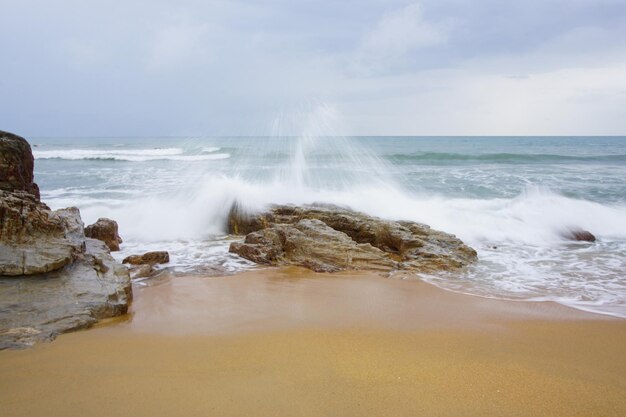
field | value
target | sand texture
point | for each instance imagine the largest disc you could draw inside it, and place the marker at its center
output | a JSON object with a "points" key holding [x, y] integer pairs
{"points": [[291, 342]]}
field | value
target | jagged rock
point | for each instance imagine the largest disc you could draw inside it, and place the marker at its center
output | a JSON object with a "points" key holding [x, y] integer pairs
{"points": [[40, 307], [52, 278], [34, 239], [579, 235], [16, 165], [330, 238], [312, 244], [105, 230], [149, 258]]}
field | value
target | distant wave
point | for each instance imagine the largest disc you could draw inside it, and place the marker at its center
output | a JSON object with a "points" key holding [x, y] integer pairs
{"points": [[132, 155], [210, 149], [508, 158]]}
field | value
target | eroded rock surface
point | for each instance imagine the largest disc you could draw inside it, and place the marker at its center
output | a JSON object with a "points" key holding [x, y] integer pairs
{"points": [[52, 278], [105, 230], [34, 239], [40, 307], [16, 165], [148, 258], [330, 238]]}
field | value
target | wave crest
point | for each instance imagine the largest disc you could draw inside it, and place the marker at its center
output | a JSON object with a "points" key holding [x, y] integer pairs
{"points": [[131, 155]]}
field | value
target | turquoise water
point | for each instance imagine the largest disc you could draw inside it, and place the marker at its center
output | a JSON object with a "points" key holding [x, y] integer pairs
{"points": [[509, 197]]}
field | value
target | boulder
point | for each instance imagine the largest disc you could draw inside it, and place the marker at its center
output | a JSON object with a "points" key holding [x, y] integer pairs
{"points": [[579, 235], [105, 230], [330, 238], [39, 307], [16, 165], [148, 258]]}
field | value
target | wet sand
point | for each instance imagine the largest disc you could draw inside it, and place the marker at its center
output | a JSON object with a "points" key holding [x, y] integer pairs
{"points": [[290, 342]]}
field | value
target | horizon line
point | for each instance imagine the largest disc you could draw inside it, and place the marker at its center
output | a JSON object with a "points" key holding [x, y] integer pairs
{"points": [[320, 136]]}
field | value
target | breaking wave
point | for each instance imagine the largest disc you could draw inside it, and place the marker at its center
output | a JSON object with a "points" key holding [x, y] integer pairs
{"points": [[131, 155], [518, 234], [502, 158]]}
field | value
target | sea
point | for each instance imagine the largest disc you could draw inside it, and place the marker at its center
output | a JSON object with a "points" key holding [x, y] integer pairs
{"points": [[511, 198]]}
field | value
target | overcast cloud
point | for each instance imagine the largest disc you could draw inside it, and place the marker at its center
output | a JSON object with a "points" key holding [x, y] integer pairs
{"points": [[431, 67]]}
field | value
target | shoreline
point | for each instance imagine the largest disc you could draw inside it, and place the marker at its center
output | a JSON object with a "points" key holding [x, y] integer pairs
{"points": [[288, 341]]}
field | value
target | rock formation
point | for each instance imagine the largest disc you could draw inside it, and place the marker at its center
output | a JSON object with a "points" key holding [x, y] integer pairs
{"points": [[328, 238], [148, 258], [52, 278], [40, 307], [105, 230], [16, 165], [143, 265], [33, 239]]}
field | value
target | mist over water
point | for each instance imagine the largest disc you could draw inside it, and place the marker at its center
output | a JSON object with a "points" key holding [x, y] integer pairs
{"points": [[510, 198]]}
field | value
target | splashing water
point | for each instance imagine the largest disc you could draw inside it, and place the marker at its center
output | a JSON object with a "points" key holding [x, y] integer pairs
{"points": [[510, 198]]}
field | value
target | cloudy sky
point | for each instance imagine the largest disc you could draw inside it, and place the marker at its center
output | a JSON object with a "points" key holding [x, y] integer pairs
{"points": [[431, 67]]}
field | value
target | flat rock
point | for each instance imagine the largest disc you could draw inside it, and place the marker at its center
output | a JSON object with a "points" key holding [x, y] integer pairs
{"points": [[40, 307], [330, 238], [148, 258]]}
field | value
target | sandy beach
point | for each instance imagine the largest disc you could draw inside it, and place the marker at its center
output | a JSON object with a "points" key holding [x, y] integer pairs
{"points": [[294, 343], [313, 208]]}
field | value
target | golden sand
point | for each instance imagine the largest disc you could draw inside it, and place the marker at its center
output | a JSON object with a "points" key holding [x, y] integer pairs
{"points": [[293, 343]]}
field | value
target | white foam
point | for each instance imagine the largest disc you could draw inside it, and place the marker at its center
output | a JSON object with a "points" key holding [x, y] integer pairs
{"points": [[522, 252], [210, 149], [133, 155], [530, 260]]}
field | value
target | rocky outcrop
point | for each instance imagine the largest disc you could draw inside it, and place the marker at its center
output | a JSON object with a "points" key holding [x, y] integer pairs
{"points": [[105, 230], [330, 238], [148, 258], [52, 278], [312, 244], [34, 239], [16, 165], [40, 307]]}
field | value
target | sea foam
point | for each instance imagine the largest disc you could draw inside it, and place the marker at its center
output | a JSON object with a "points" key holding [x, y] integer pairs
{"points": [[131, 155], [513, 208]]}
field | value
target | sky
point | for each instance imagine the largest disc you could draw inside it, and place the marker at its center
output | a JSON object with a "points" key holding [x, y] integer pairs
{"points": [[203, 68]]}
